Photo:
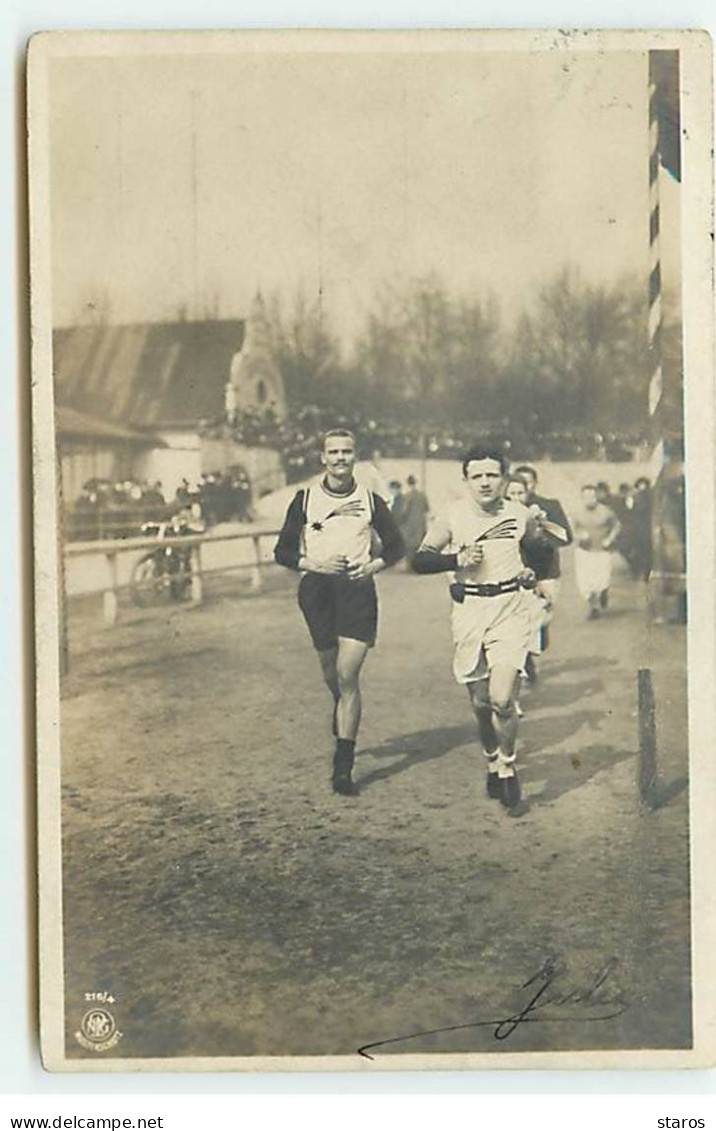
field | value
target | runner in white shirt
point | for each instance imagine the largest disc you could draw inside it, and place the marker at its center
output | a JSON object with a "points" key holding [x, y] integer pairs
{"points": [[478, 539]]}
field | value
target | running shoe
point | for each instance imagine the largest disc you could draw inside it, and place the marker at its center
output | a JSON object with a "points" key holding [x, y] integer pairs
{"points": [[511, 794]]}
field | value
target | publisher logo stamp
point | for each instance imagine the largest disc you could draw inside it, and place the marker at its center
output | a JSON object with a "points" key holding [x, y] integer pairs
{"points": [[98, 1031]]}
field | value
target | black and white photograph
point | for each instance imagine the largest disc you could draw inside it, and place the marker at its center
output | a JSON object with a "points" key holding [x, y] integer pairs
{"points": [[373, 527]]}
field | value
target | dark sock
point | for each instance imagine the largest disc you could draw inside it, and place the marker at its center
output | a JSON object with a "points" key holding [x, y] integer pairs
{"points": [[343, 761]]}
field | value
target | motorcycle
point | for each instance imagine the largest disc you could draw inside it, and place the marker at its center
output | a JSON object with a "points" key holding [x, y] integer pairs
{"points": [[165, 572]]}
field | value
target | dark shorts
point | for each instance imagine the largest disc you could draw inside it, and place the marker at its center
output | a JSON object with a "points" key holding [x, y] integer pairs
{"points": [[334, 607]]}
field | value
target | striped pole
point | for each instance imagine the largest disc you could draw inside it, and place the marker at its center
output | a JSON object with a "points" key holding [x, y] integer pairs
{"points": [[656, 371], [667, 576], [656, 379]]}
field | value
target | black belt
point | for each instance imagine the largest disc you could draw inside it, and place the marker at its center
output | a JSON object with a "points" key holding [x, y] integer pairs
{"points": [[459, 590]]}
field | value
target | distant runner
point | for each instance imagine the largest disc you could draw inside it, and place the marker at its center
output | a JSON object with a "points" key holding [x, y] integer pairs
{"points": [[543, 558], [538, 605], [597, 528]]}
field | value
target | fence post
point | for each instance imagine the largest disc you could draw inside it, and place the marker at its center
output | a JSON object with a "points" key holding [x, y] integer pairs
{"points": [[647, 735], [256, 577], [110, 601], [196, 578]]}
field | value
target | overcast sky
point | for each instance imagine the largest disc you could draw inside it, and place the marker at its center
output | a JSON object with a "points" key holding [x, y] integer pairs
{"points": [[191, 181]]}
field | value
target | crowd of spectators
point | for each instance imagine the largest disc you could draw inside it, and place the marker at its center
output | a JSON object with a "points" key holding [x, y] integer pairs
{"points": [[222, 496], [125, 493], [298, 438], [118, 509], [107, 509], [633, 506]]}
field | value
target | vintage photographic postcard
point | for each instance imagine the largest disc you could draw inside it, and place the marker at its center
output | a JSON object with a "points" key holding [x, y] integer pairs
{"points": [[374, 527]]}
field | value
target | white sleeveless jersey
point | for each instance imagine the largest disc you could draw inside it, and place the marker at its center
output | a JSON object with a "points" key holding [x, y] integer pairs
{"points": [[337, 523], [499, 534]]}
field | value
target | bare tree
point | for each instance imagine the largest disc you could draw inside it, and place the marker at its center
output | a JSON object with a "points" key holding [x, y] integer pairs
{"points": [[305, 350], [579, 356], [435, 358]]}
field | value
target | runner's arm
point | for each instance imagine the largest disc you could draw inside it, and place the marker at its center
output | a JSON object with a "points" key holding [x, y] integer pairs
{"points": [[547, 525], [540, 531], [287, 550], [557, 515], [387, 530], [614, 532], [429, 557], [581, 534]]}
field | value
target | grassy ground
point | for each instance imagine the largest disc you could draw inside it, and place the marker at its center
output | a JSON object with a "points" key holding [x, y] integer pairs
{"points": [[232, 905]]}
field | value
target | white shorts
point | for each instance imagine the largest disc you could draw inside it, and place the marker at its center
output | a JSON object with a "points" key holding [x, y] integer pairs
{"points": [[593, 570], [490, 632]]}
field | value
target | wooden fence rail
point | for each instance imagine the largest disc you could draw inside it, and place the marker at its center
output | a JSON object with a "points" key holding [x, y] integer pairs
{"points": [[111, 551]]}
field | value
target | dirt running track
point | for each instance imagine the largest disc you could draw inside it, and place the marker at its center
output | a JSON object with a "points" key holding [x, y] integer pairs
{"points": [[232, 905]]}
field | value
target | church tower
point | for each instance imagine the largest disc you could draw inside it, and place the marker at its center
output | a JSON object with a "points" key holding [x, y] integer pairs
{"points": [[255, 377]]}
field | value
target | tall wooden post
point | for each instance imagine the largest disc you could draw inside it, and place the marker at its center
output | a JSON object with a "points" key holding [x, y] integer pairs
{"points": [[667, 577]]}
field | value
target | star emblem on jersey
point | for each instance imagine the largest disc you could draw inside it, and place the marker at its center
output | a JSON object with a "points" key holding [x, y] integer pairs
{"points": [[317, 525]]}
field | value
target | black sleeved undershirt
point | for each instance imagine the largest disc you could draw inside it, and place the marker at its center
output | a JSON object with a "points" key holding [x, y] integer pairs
{"points": [[428, 560], [387, 530], [288, 548]]}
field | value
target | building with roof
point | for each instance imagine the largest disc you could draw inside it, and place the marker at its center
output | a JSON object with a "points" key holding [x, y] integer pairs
{"points": [[148, 393], [147, 376], [89, 448]]}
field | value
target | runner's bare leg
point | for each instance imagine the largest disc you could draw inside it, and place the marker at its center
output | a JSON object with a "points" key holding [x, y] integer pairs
{"points": [[503, 689], [351, 656], [482, 709], [328, 660]]}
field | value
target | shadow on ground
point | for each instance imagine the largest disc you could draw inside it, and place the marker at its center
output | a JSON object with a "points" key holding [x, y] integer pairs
{"points": [[663, 793], [563, 773], [549, 694], [413, 749], [580, 663]]}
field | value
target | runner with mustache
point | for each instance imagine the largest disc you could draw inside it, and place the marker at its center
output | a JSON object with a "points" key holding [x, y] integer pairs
{"points": [[328, 535], [477, 539]]}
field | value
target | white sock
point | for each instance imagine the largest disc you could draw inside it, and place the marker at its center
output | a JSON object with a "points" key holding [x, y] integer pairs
{"points": [[492, 761], [505, 765]]}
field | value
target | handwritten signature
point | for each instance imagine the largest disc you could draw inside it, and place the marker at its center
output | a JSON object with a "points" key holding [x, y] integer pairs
{"points": [[600, 999]]}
